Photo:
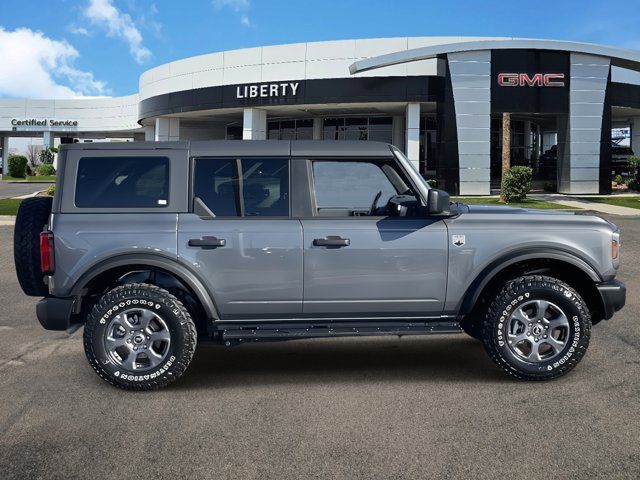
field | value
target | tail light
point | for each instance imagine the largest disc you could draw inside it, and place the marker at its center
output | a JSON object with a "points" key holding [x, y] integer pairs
{"points": [[47, 256]]}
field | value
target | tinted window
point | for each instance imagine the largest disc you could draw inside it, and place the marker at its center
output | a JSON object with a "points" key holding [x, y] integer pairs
{"points": [[351, 185], [122, 182], [261, 188]]}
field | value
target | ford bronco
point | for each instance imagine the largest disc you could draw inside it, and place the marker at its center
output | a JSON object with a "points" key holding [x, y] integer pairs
{"points": [[156, 246]]}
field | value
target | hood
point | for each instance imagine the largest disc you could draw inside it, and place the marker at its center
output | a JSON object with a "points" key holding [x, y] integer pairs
{"points": [[476, 208]]}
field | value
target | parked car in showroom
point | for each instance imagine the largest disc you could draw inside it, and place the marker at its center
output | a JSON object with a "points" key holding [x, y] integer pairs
{"points": [[153, 247]]}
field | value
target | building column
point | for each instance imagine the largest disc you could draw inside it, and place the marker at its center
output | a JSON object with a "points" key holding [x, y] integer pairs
{"points": [[149, 133], [471, 85], [317, 128], [47, 140], [254, 124], [412, 134], [167, 129], [397, 131], [579, 172], [635, 135], [5, 155]]}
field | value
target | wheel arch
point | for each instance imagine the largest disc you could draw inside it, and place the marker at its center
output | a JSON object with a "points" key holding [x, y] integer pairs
{"points": [[575, 271], [132, 263]]}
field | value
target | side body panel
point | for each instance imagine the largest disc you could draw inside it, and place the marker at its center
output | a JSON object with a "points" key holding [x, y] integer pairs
{"points": [[83, 240], [392, 267], [257, 273], [491, 238]]}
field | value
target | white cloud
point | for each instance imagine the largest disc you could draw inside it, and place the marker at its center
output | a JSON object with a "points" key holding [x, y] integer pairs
{"points": [[102, 13], [79, 31], [238, 6], [40, 67]]}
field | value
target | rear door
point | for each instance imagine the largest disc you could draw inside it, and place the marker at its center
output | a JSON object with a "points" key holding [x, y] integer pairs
{"points": [[359, 262], [241, 237]]}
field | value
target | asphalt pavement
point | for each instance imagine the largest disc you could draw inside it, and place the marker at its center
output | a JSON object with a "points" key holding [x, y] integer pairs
{"points": [[378, 408], [10, 189]]}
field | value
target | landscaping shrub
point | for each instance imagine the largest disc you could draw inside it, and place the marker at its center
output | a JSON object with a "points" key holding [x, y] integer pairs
{"points": [[432, 183], [517, 183], [51, 190], [46, 169], [17, 166], [634, 165], [618, 179], [633, 184]]}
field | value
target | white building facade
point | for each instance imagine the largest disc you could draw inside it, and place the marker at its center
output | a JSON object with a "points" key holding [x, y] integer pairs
{"points": [[439, 99]]}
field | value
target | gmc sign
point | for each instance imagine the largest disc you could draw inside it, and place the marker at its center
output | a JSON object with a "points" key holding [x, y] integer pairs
{"points": [[535, 80]]}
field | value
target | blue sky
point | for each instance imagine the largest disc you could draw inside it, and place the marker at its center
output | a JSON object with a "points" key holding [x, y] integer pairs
{"points": [[67, 48]]}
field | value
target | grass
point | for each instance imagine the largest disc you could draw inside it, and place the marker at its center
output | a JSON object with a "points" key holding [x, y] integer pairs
{"points": [[35, 178], [630, 201], [527, 203], [9, 206]]}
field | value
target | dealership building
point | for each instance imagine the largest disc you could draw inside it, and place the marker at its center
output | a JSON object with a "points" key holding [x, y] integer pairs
{"points": [[439, 99]]}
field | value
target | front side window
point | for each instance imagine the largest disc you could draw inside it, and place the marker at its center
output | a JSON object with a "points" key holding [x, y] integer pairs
{"points": [[352, 186], [122, 182], [247, 187]]}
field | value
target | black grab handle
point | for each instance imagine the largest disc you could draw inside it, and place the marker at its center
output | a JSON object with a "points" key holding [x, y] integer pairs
{"points": [[332, 242], [207, 242]]}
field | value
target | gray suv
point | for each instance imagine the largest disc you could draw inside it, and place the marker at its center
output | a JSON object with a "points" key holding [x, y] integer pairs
{"points": [[155, 246]]}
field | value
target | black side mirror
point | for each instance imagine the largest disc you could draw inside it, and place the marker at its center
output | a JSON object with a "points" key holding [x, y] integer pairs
{"points": [[438, 202]]}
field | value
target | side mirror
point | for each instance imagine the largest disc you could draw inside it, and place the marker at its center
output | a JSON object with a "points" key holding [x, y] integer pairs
{"points": [[438, 202]]}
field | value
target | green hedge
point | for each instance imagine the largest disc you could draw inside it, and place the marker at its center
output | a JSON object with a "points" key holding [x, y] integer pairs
{"points": [[517, 183], [17, 166], [46, 169]]}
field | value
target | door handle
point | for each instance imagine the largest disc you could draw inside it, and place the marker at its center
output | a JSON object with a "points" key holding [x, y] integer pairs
{"points": [[207, 242], [332, 241]]}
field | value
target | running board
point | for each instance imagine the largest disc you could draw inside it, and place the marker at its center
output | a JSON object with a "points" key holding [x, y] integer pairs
{"points": [[241, 332]]}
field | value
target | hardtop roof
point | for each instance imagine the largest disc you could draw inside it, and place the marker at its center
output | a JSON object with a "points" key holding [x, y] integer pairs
{"points": [[224, 148]]}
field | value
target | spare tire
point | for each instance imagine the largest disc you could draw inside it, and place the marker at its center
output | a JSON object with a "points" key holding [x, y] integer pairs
{"points": [[33, 215]]}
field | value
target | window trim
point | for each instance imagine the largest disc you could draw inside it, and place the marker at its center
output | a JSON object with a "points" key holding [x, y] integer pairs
{"points": [[239, 198], [155, 208]]}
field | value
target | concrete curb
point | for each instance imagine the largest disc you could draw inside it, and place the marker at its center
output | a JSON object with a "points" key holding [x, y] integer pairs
{"points": [[7, 220]]}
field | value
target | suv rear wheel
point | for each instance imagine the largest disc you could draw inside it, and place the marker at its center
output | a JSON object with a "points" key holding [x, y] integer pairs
{"points": [[537, 328], [139, 337]]}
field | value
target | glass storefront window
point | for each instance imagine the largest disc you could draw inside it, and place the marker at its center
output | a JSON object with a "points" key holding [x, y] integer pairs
{"points": [[290, 129]]}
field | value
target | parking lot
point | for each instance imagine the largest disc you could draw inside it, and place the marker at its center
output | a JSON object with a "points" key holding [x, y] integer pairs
{"points": [[415, 407]]}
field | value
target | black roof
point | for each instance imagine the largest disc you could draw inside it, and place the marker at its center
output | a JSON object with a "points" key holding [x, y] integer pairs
{"points": [[297, 148]]}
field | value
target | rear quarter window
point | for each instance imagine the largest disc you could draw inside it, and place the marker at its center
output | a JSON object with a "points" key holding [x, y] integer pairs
{"points": [[122, 182]]}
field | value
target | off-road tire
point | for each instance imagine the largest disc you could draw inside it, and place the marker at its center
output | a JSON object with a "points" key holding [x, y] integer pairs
{"points": [[516, 293], [179, 322], [33, 215]]}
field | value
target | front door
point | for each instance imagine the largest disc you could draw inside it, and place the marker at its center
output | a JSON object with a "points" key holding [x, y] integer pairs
{"points": [[359, 262], [241, 239]]}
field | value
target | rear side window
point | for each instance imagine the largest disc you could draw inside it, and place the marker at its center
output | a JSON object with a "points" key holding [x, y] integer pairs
{"points": [[122, 182], [246, 187]]}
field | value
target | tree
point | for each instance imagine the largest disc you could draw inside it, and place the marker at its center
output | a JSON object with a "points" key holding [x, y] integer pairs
{"points": [[634, 165], [506, 151], [33, 154]]}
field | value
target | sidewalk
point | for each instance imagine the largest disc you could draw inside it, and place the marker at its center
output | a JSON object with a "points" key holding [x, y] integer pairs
{"points": [[582, 204], [7, 220]]}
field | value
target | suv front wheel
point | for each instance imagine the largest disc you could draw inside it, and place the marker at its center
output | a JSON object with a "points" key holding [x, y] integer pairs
{"points": [[537, 328], [139, 337]]}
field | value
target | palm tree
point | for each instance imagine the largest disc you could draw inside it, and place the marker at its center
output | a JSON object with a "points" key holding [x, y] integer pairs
{"points": [[506, 150]]}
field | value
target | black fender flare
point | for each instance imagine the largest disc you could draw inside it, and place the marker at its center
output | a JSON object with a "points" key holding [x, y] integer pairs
{"points": [[476, 287], [180, 271]]}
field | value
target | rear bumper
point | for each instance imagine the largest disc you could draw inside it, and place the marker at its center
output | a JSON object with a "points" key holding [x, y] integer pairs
{"points": [[55, 313], [613, 294]]}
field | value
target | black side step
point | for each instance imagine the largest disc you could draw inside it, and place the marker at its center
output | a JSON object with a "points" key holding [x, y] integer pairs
{"points": [[239, 332]]}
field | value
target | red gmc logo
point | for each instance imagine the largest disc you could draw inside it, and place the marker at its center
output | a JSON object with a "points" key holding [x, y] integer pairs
{"points": [[535, 80]]}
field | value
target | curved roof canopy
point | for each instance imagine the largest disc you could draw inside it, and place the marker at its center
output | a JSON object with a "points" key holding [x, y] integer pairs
{"points": [[620, 57]]}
